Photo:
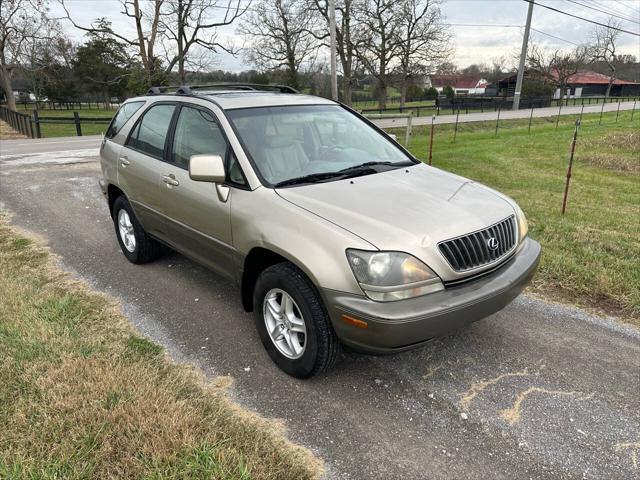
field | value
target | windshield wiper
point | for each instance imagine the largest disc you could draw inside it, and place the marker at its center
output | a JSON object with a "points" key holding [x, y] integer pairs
{"points": [[311, 178], [349, 172], [367, 166]]}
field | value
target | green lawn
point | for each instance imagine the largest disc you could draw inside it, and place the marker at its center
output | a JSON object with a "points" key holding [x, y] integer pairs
{"points": [[82, 396], [592, 254], [68, 128]]}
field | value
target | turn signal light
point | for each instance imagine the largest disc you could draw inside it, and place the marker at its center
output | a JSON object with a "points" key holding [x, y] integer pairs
{"points": [[354, 321]]}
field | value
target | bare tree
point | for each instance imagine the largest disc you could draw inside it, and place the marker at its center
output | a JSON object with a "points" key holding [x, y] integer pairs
{"points": [[557, 67], [422, 39], [23, 23], [188, 24], [376, 44], [178, 27], [146, 23], [280, 36], [344, 43], [603, 49]]}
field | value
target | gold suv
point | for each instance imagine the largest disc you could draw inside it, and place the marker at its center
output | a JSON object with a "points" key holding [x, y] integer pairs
{"points": [[334, 232]]}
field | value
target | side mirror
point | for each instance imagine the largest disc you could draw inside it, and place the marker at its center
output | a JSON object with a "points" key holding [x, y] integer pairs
{"points": [[206, 168]]}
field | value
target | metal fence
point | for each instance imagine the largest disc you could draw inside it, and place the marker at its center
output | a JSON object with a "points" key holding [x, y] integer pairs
{"points": [[491, 104]]}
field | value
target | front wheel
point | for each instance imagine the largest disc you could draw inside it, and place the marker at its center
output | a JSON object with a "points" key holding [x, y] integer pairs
{"points": [[136, 245], [292, 322]]}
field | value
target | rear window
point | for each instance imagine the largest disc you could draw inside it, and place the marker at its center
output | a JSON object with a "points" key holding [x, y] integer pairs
{"points": [[121, 117]]}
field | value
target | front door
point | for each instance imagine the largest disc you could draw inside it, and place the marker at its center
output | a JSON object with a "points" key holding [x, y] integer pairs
{"points": [[197, 220], [140, 163]]}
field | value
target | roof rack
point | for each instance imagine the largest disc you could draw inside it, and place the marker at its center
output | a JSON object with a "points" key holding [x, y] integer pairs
{"points": [[162, 89], [251, 87]]}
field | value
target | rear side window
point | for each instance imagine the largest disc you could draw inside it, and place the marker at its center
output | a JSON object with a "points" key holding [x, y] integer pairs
{"points": [[121, 117], [151, 131], [197, 132]]}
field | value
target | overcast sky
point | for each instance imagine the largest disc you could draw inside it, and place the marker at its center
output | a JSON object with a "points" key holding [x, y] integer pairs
{"points": [[473, 44]]}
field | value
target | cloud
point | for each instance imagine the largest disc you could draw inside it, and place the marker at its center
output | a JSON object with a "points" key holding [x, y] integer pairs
{"points": [[474, 44]]}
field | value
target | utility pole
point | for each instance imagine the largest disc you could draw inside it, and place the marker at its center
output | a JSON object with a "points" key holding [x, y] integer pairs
{"points": [[332, 34], [523, 57]]}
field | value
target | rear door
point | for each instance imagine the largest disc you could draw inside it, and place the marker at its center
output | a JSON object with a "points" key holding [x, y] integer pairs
{"points": [[140, 163], [197, 219]]}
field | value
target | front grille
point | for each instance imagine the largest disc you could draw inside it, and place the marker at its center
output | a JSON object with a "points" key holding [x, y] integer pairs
{"points": [[473, 250]]}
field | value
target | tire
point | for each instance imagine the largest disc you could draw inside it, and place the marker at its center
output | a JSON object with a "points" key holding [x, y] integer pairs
{"points": [[144, 249], [321, 345]]}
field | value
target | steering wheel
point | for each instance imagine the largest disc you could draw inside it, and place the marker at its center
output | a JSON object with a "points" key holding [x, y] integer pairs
{"points": [[329, 150]]}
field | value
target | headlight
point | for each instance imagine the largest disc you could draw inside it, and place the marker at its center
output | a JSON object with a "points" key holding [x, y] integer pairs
{"points": [[389, 276], [523, 226]]}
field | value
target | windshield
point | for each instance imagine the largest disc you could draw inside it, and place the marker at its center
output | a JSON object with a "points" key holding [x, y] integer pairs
{"points": [[316, 142]]}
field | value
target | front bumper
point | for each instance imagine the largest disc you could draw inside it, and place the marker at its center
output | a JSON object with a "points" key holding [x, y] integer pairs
{"points": [[397, 326]]}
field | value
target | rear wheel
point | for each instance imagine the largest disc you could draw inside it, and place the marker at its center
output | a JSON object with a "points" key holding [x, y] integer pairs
{"points": [[136, 245], [292, 322]]}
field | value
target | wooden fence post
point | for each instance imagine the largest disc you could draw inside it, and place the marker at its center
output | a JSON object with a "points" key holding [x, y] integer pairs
{"points": [[618, 112], [76, 119], [633, 110], [530, 118], [573, 150], [498, 120], [36, 120], [407, 138]]}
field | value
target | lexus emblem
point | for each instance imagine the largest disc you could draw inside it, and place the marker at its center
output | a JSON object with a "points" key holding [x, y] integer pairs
{"points": [[492, 243]]}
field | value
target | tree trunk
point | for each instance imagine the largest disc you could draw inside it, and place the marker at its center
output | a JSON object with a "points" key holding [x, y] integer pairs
{"points": [[382, 93], [403, 91], [181, 73], [346, 91], [608, 92], [5, 80]]}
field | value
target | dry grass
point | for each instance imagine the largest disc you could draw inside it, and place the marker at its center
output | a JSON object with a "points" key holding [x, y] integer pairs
{"points": [[618, 151], [8, 133], [82, 396]]}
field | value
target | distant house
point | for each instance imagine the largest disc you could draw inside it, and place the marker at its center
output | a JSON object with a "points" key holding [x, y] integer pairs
{"points": [[581, 84], [461, 84]]}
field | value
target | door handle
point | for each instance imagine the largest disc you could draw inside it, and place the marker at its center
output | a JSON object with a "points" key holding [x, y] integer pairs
{"points": [[170, 180], [124, 160]]}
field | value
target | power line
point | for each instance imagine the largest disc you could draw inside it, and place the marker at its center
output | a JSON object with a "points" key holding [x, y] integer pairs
{"points": [[603, 11], [627, 6], [554, 36], [582, 18]]}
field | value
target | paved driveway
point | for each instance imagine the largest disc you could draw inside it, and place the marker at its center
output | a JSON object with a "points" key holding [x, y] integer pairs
{"points": [[535, 391]]}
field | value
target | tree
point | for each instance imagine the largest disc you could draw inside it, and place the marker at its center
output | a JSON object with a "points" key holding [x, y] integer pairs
{"points": [[188, 24], [182, 29], [422, 41], [281, 37], [344, 40], [603, 49], [103, 64], [23, 23], [447, 68], [449, 92], [144, 41], [557, 67], [377, 41]]}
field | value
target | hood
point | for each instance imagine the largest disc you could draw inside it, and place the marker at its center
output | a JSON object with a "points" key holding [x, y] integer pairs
{"points": [[407, 209]]}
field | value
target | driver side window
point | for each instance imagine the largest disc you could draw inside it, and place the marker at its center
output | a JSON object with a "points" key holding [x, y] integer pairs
{"points": [[197, 132]]}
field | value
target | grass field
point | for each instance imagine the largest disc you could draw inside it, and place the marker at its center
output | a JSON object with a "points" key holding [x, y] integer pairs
{"points": [[82, 396], [592, 254]]}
